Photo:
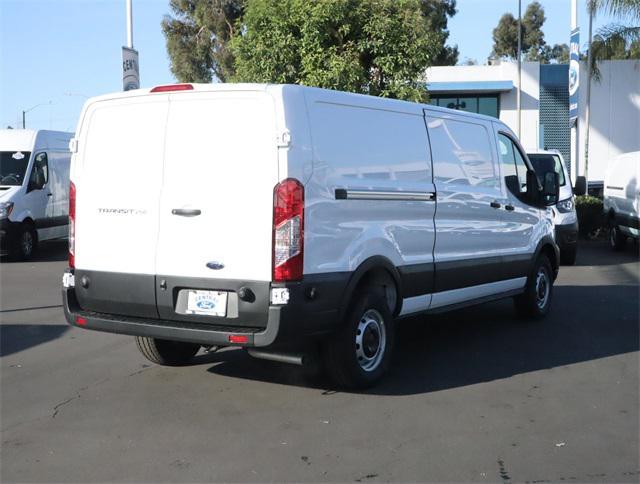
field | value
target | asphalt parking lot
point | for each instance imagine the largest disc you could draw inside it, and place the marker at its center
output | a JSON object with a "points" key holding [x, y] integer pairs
{"points": [[474, 395]]}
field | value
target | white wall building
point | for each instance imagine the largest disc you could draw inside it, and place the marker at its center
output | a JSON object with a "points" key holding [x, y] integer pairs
{"points": [[491, 89]]}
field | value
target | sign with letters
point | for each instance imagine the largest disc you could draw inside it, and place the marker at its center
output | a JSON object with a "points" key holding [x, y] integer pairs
{"points": [[130, 69], [574, 75]]}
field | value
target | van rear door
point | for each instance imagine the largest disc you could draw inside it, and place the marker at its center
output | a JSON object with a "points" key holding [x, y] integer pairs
{"points": [[221, 164], [118, 176]]}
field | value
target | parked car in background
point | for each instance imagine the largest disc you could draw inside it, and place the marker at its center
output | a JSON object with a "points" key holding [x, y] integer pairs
{"points": [[565, 219], [622, 198], [296, 222], [34, 189]]}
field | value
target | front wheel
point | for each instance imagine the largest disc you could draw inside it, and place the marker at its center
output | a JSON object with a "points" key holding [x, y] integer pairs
{"points": [[617, 240], [535, 302], [166, 353], [359, 354], [26, 243]]}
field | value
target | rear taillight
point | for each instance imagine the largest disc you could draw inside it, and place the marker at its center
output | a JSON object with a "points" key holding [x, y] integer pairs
{"points": [[288, 230], [72, 225], [173, 87]]}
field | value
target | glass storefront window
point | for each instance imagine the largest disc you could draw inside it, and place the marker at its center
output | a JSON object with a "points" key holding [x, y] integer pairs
{"points": [[487, 104]]}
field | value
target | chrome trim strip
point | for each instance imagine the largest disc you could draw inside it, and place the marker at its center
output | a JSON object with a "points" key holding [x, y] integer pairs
{"points": [[347, 194]]}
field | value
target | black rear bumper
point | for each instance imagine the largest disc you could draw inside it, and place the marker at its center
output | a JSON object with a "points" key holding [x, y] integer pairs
{"points": [[311, 313]]}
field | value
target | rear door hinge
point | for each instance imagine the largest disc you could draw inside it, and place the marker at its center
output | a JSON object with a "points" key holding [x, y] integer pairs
{"points": [[284, 139]]}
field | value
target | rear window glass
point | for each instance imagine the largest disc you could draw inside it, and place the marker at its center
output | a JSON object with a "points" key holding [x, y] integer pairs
{"points": [[13, 166], [539, 161]]}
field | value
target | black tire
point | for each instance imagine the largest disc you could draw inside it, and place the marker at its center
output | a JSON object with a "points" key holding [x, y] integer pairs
{"points": [[617, 240], [359, 354], [568, 256], [166, 353], [535, 302], [26, 243]]}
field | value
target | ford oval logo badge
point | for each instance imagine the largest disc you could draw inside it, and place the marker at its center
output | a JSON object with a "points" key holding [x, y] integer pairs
{"points": [[205, 304], [215, 265]]}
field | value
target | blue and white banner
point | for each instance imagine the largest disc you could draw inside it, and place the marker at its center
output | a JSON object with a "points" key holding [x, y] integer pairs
{"points": [[574, 75], [130, 69]]}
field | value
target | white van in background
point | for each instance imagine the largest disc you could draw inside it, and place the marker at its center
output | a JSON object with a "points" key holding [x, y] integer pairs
{"points": [[296, 222], [565, 218], [34, 189], [622, 198]]}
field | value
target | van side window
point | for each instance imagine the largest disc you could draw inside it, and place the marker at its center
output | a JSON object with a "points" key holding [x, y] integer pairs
{"points": [[512, 161], [462, 153], [40, 172], [380, 146]]}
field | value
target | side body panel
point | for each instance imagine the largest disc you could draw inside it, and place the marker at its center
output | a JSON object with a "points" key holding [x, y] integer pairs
{"points": [[622, 191], [525, 225], [377, 157], [471, 251]]}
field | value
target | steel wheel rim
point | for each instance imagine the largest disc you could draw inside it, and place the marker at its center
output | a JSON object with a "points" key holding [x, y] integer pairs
{"points": [[371, 340], [26, 242], [543, 288]]}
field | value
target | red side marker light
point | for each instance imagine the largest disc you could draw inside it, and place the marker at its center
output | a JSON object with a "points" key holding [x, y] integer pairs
{"points": [[173, 87], [238, 338], [81, 321]]}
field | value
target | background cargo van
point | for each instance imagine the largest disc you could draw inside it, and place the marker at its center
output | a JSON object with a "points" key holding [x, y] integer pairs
{"points": [[565, 218], [622, 198], [299, 223], [34, 189]]}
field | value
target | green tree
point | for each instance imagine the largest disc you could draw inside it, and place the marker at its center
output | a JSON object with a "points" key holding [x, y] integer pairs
{"points": [[505, 35], [197, 38], [378, 47], [437, 14], [615, 40], [559, 54]]}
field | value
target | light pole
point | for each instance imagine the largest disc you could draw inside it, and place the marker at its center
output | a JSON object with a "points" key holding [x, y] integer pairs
{"points": [[25, 111], [129, 25], [519, 93], [591, 6]]}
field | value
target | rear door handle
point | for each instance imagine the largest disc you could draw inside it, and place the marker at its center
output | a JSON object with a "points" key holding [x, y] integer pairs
{"points": [[49, 194], [186, 212], [495, 205], [509, 208]]}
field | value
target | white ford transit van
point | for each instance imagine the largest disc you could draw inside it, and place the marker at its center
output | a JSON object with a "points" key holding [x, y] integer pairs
{"points": [[296, 221], [622, 198], [34, 189], [565, 218]]}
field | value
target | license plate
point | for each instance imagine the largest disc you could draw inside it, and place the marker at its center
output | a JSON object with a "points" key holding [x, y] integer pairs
{"points": [[208, 303]]}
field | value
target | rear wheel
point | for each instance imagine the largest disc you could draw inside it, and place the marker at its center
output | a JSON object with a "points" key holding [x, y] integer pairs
{"points": [[359, 355], [617, 240], [535, 302], [167, 353]]}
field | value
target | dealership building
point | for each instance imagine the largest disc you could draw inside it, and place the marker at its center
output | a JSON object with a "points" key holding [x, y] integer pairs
{"points": [[492, 90]]}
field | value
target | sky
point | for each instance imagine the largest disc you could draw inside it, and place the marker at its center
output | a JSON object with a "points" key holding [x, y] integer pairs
{"points": [[54, 54]]}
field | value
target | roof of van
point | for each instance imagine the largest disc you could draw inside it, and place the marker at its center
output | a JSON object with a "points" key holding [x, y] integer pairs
{"points": [[25, 139], [362, 99], [538, 151]]}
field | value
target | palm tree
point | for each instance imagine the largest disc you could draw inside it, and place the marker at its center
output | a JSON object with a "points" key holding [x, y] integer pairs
{"points": [[616, 40]]}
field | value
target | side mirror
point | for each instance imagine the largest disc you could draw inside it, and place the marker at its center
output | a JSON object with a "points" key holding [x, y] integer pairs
{"points": [[550, 188], [533, 186], [581, 186]]}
